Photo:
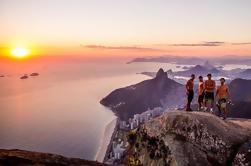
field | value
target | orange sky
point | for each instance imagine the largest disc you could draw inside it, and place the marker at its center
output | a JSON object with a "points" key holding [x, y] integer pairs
{"points": [[94, 28], [134, 51]]}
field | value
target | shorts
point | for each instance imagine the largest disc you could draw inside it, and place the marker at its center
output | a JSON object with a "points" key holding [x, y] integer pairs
{"points": [[209, 96], [222, 103], [201, 98], [190, 95]]}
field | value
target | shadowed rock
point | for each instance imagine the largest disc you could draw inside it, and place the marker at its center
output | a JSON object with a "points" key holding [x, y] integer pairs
{"points": [[243, 157], [240, 90], [20, 157]]}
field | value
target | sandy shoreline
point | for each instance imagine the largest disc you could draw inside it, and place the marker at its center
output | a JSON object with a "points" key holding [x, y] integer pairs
{"points": [[106, 139]]}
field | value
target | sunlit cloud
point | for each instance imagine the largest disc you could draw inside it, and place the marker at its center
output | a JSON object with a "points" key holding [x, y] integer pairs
{"points": [[207, 44], [245, 43], [134, 48], [202, 44]]}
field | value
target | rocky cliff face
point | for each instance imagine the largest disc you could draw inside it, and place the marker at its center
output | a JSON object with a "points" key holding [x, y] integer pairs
{"points": [[183, 139], [126, 102], [240, 91], [27, 158]]}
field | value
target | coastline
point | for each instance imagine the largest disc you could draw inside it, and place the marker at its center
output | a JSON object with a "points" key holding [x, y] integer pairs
{"points": [[105, 143]]}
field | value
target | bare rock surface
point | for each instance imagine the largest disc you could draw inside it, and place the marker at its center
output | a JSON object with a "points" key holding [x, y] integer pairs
{"points": [[192, 138]]}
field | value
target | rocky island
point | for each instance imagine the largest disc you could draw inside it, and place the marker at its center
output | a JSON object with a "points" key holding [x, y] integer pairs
{"points": [[24, 77], [34, 74]]}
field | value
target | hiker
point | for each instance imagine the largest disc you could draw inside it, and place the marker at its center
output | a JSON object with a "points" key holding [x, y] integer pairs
{"points": [[201, 93], [223, 96], [209, 93], [190, 92]]}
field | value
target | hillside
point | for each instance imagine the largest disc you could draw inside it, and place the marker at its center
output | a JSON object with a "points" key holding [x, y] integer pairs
{"points": [[182, 139], [126, 102]]}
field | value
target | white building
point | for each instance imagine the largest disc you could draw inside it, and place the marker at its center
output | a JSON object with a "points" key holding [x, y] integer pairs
{"points": [[144, 117], [118, 152], [122, 125]]}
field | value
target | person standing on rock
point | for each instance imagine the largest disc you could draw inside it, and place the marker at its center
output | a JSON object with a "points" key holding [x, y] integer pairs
{"points": [[222, 94], [209, 93], [190, 92], [201, 93]]}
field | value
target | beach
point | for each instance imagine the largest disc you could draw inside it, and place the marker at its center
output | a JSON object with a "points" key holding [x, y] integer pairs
{"points": [[105, 141]]}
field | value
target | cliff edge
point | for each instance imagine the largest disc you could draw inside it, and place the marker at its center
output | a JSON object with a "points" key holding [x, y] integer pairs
{"points": [[17, 157]]}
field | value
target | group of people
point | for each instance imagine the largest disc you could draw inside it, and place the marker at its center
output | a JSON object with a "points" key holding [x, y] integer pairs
{"points": [[206, 95]]}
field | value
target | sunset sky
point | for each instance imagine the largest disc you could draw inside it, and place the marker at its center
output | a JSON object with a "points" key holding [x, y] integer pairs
{"points": [[126, 27]]}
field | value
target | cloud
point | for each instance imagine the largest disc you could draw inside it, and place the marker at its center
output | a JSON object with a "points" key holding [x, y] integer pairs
{"points": [[135, 48], [245, 43], [208, 44], [202, 44]]}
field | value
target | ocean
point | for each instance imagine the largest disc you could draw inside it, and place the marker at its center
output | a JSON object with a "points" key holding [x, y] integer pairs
{"points": [[59, 111]]}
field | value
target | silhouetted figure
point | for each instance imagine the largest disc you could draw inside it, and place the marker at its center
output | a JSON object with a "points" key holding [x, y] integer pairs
{"points": [[223, 96], [201, 93], [209, 93], [190, 92]]}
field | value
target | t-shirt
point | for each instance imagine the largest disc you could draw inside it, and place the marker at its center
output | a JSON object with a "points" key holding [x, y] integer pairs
{"points": [[201, 88], [209, 85], [189, 85], [222, 91]]}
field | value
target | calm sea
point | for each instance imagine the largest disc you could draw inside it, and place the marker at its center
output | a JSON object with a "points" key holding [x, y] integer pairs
{"points": [[59, 111]]}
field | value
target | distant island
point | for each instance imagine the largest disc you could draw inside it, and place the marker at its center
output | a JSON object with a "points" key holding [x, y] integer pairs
{"points": [[34, 74], [26, 76]]}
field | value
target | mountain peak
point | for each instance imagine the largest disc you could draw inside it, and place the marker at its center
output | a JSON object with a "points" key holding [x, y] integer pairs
{"points": [[161, 73], [208, 65], [147, 94]]}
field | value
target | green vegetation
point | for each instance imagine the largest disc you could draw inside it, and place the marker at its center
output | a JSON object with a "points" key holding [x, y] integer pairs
{"points": [[154, 148]]}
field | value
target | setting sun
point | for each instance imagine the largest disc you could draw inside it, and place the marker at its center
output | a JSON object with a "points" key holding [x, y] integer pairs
{"points": [[20, 52]]}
